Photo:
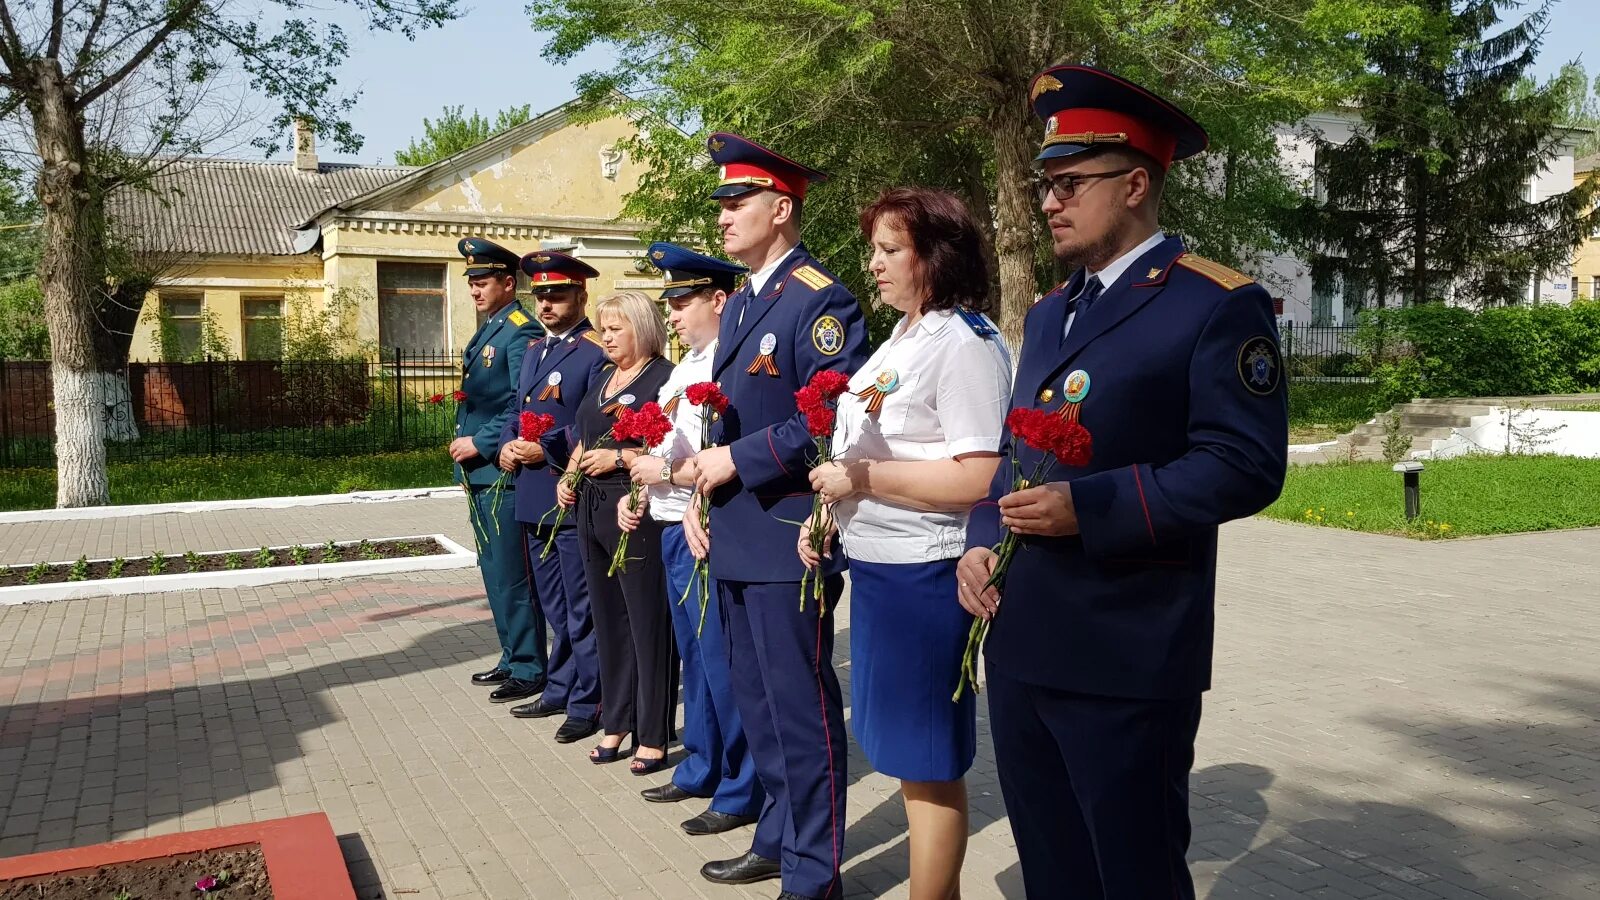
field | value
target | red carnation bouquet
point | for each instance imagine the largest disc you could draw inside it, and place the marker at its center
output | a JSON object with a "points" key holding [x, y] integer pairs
{"points": [[818, 403], [1059, 438], [649, 426], [713, 403]]}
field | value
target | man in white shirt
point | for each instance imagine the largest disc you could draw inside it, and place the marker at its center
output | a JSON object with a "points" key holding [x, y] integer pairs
{"points": [[718, 766]]}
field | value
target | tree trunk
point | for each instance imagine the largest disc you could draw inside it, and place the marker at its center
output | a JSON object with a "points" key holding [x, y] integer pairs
{"points": [[116, 315], [71, 257], [1014, 211]]}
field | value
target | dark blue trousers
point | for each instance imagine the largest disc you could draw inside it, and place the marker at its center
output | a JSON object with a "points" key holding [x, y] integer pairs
{"points": [[563, 592], [1097, 789], [718, 764], [793, 714], [518, 622]]}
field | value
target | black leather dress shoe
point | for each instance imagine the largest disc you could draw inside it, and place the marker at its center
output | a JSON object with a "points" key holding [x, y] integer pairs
{"points": [[516, 689], [747, 869], [576, 729], [713, 822], [496, 675], [538, 709], [666, 793]]}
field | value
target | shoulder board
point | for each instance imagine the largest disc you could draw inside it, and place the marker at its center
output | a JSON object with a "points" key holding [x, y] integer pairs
{"points": [[518, 318], [1051, 291], [812, 277], [1225, 277], [594, 339], [977, 321]]}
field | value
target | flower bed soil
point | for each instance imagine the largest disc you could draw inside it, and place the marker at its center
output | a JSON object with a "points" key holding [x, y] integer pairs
{"points": [[57, 573], [164, 878]]}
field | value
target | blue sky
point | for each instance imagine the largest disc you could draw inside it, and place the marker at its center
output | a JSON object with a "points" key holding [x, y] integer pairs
{"points": [[490, 60]]}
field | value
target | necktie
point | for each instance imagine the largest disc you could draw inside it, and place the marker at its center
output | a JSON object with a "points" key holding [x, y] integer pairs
{"points": [[549, 342], [1079, 305]]}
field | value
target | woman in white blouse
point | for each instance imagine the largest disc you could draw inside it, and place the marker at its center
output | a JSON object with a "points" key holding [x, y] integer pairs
{"points": [[916, 444]]}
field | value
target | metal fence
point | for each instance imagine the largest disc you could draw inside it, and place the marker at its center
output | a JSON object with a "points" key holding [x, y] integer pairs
{"points": [[1324, 353], [400, 401]]}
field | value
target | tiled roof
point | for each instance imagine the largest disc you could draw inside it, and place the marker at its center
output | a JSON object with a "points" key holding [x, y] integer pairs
{"points": [[226, 207]]}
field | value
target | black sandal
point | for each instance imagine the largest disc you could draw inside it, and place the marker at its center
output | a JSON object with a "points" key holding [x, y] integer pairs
{"points": [[603, 754], [648, 766]]}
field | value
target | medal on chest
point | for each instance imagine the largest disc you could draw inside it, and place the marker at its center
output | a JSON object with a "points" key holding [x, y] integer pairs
{"points": [[885, 384], [1073, 391], [765, 362], [552, 388], [488, 356]]}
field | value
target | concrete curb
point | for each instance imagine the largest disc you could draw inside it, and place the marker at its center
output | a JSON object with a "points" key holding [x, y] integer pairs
{"points": [[457, 557], [157, 509]]}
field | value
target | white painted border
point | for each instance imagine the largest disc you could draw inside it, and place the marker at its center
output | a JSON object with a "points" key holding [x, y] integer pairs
{"points": [[455, 557], [157, 509]]}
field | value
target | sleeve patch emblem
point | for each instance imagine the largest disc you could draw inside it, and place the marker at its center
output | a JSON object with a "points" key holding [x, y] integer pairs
{"points": [[827, 335], [1260, 366]]}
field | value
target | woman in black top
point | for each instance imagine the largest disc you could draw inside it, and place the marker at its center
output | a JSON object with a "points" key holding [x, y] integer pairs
{"points": [[632, 624]]}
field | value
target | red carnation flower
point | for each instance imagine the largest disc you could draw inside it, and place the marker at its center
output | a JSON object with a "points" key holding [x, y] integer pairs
{"points": [[622, 429], [436, 399], [820, 423], [1071, 443], [831, 384], [707, 393], [460, 396], [532, 425], [650, 425]]}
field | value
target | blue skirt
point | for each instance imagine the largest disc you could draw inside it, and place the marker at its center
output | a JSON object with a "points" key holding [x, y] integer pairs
{"points": [[907, 632]]}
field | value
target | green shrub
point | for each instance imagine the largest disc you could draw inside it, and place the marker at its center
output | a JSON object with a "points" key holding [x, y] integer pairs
{"points": [[1444, 351]]}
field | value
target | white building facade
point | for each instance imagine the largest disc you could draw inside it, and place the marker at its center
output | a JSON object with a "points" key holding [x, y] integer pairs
{"points": [[1307, 297]]}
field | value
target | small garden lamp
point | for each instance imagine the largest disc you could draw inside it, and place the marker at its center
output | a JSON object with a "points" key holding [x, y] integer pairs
{"points": [[1412, 471]]}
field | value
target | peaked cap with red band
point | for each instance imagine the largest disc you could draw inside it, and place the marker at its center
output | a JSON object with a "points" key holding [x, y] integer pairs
{"points": [[551, 269], [1085, 108], [747, 166]]}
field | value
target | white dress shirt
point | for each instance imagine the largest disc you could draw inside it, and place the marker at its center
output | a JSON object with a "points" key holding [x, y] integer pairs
{"points": [[668, 501], [954, 389], [759, 278], [1109, 275]]}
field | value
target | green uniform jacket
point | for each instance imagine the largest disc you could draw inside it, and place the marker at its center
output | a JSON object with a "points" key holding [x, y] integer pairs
{"points": [[489, 369]]}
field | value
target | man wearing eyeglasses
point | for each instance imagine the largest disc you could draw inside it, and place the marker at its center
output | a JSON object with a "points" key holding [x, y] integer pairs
{"points": [[1096, 665]]}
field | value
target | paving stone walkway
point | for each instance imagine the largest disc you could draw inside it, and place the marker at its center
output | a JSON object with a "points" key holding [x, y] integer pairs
{"points": [[1391, 719]]}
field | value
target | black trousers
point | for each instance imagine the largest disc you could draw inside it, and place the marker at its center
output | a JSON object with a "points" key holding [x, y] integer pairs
{"points": [[631, 621], [1097, 789]]}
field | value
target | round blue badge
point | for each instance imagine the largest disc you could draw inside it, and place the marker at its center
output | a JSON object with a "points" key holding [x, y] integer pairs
{"points": [[1076, 386]]}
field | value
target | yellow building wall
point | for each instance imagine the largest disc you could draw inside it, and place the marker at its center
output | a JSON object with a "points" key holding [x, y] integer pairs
{"points": [[552, 191], [558, 174], [223, 284], [1586, 261]]}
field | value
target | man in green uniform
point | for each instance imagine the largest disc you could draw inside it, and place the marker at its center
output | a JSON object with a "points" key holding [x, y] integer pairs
{"points": [[489, 369]]}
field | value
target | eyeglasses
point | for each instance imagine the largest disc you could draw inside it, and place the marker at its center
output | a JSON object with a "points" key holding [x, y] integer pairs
{"points": [[1065, 187]]}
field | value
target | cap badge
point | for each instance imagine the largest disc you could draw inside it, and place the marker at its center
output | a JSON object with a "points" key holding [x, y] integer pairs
{"points": [[659, 254], [541, 259], [716, 146], [1044, 84]]}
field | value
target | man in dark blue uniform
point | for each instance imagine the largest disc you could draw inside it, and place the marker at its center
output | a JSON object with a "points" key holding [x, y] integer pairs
{"points": [[791, 319], [555, 376], [489, 381], [1096, 662]]}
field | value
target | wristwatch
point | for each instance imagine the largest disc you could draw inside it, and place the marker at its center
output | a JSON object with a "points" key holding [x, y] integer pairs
{"points": [[666, 471], [621, 465]]}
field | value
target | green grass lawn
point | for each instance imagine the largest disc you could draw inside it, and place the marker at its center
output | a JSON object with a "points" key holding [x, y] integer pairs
{"points": [[1321, 411], [183, 479], [1470, 495]]}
